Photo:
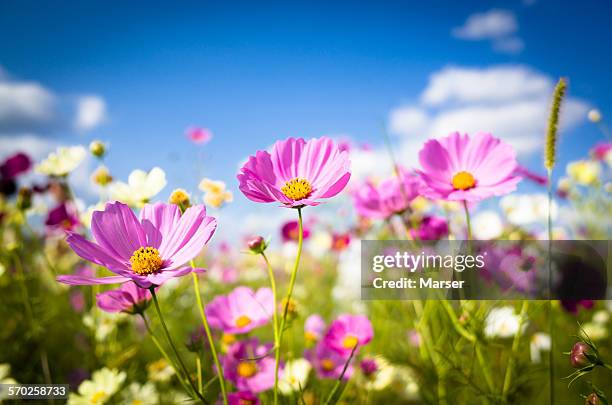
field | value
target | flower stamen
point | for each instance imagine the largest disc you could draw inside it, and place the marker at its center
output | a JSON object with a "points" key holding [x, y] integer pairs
{"points": [[146, 260], [349, 342], [463, 181], [297, 189], [246, 369], [242, 321]]}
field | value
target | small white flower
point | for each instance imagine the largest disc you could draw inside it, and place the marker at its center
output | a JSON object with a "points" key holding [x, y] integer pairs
{"points": [[140, 188], [5, 372], [99, 389], [595, 331], [502, 323], [487, 225], [594, 115], [383, 377], [601, 317], [526, 209], [104, 323], [160, 371], [145, 394], [295, 376], [215, 193], [539, 342], [63, 161], [319, 244]]}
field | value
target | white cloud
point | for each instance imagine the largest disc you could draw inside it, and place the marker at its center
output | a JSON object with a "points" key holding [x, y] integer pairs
{"points": [[91, 112], [511, 102], [36, 147], [488, 25], [498, 26], [25, 105], [492, 84]]}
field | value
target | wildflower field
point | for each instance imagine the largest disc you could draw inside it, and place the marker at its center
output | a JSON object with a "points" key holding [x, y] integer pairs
{"points": [[133, 301], [309, 203]]}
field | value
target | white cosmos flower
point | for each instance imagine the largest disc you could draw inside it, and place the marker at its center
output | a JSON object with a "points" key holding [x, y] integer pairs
{"points": [[383, 377], [140, 188], [160, 371], [295, 376], [584, 172], [5, 372], [63, 161], [103, 385], [487, 225], [525, 209], [145, 394], [502, 323], [104, 323], [539, 342]]}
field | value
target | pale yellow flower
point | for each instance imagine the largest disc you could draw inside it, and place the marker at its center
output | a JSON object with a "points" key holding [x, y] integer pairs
{"points": [[295, 376], [103, 385], [585, 172], [215, 193], [63, 161]]}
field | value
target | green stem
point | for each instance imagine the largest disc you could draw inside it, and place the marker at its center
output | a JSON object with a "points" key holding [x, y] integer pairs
{"points": [[274, 313], [467, 220], [339, 380], [515, 347], [211, 343], [287, 300], [164, 353], [199, 369], [551, 358], [176, 353]]}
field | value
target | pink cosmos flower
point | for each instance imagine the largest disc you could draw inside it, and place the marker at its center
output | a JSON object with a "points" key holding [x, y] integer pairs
{"points": [[327, 362], [242, 398], [64, 216], [199, 135], [432, 227], [391, 196], [340, 241], [348, 331], [460, 168], [128, 298], [249, 366], [290, 231], [314, 327], [241, 311], [148, 250], [15, 165], [600, 150], [296, 173]]}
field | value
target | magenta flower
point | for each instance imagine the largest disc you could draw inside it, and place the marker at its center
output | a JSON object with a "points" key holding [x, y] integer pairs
{"points": [[242, 398], [314, 327], [199, 135], [64, 216], [15, 165], [601, 150], [529, 175], [340, 241], [460, 168], [296, 173], [148, 250], [249, 365], [290, 231], [327, 362], [128, 298], [431, 227], [241, 311], [391, 196], [348, 331]]}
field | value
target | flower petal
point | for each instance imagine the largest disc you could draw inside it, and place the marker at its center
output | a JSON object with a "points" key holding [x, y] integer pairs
{"points": [[84, 280], [117, 230]]}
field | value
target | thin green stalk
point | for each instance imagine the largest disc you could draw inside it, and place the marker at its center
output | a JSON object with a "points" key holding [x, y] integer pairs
{"points": [[274, 312], [467, 220], [287, 300], [199, 369], [176, 353], [211, 343], [330, 398], [551, 358], [515, 347], [164, 353]]}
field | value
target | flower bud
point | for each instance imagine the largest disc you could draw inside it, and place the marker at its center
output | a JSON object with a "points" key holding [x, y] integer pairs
{"points": [[578, 355], [368, 367], [24, 198], [257, 245], [101, 176], [594, 115], [592, 399], [97, 148], [181, 198], [291, 307]]}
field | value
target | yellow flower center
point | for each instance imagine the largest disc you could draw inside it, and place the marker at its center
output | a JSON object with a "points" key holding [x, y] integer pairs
{"points": [[463, 181], [146, 260], [309, 336], [246, 369], [228, 338], [328, 364], [98, 398], [297, 189], [242, 321], [179, 197], [349, 342]]}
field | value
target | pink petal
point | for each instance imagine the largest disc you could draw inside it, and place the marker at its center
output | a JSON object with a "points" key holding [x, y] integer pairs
{"points": [[94, 253], [117, 230], [84, 280], [158, 220]]}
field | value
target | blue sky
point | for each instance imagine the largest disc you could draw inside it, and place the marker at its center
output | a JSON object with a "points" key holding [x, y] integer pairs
{"points": [[254, 73]]}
